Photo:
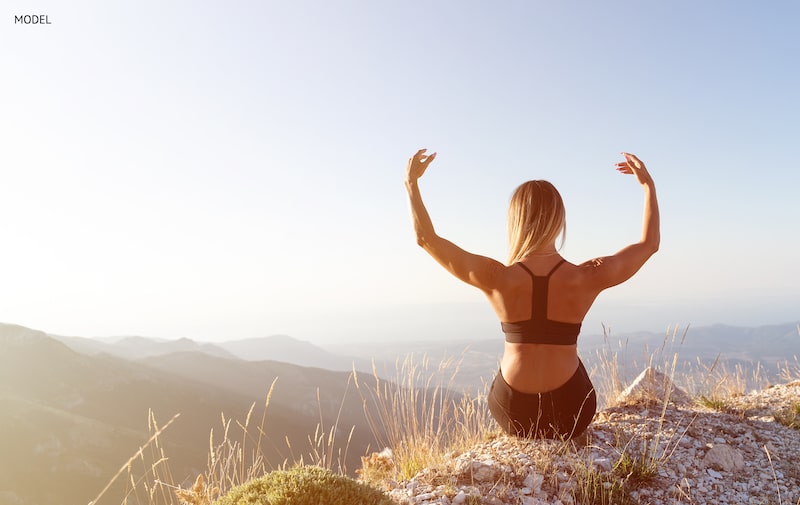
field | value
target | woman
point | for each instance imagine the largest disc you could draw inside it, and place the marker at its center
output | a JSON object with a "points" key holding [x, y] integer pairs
{"points": [[542, 388]]}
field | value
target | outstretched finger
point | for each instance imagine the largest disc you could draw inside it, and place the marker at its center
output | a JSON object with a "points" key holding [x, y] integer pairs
{"points": [[636, 162], [625, 167]]}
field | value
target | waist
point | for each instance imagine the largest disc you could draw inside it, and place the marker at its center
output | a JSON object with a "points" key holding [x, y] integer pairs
{"points": [[538, 368]]}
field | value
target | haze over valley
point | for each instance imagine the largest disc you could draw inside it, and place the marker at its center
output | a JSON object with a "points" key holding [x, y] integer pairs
{"points": [[78, 408]]}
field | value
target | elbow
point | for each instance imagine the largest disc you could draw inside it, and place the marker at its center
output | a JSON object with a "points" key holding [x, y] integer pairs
{"points": [[424, 235], [426, 240], [654, 245], [649, 246], [651, 239], [422, 240]]}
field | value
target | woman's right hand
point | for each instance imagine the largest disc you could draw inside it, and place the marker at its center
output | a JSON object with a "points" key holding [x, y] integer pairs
{"points": [[612, 270], [635, 166]]}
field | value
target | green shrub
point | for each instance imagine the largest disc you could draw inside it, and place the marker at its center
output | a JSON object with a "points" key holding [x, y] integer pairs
{"points": [[304, 485], [789, 416], [596, 488], [636, 470]]}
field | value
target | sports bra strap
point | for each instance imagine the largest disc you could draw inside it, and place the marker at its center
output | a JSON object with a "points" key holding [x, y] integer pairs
{"points": [[539, 288], [548, 273], [538, 329], [556, 267], [526, 269]]}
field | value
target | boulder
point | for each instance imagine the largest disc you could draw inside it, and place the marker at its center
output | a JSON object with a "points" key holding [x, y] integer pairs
{"points": [[652, 386]]}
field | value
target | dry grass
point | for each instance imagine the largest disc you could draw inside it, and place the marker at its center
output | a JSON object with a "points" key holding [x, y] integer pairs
{"points": [[235, 456], [420, 419], [599, 488], [615, 368], [790, 416], [419, 444], [152, 461], [423, 424]]}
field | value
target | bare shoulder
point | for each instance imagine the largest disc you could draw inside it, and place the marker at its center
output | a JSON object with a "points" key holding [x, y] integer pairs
{"points": [[582, 283], [603, 272], [590, 267], [582, 277], [510, 277]]}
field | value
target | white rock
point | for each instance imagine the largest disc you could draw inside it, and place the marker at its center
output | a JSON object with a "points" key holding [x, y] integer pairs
{"points": [[483, 472], [533, 481], [724, 457], [653, 386]]}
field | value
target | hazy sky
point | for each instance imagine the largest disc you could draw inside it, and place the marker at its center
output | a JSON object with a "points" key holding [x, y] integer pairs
{"points": [[221, 170]]}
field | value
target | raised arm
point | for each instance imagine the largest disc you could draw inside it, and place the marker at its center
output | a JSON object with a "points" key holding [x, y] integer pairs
{"points": [[482, 272], [612, 270]]}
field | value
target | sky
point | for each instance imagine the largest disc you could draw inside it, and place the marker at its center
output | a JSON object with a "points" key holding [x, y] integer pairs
{"points": [[226, 170]]}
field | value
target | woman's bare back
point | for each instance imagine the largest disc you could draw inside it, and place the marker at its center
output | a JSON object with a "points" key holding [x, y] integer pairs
{"points": [[537, 368]]}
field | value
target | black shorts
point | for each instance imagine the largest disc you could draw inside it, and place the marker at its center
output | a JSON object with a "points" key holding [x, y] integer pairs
{"points": [[561, 413]]}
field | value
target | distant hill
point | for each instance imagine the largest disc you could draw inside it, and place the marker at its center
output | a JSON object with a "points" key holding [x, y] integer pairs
{"points": [[771, 346], [300, 390], [75, 419], [280, 348], [478, 360], [70, 420], [291, 350], [139, 347], [769, 342]]}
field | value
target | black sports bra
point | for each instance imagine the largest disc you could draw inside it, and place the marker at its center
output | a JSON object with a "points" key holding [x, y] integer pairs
{"points": [[538, 329]]}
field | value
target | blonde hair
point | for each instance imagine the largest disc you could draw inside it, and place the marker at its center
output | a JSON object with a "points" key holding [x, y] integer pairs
{"points": [[536, 217]]}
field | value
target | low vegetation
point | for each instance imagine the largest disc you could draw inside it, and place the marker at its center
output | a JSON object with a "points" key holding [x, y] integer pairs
{"points": [[421, 421], [600, 488], [304, 485], [421, 424], [790, 417]]}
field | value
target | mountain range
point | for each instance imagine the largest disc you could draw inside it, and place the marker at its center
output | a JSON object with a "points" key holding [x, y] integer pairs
{"points": [[70, 420], [281, 348], [75, 409], [769, 344]]}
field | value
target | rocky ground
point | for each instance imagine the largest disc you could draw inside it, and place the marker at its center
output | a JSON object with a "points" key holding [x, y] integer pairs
{"points": [[739, 452]]}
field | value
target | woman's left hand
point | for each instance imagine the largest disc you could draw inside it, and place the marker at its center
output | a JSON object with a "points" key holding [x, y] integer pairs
{"points": [[417, 165]]}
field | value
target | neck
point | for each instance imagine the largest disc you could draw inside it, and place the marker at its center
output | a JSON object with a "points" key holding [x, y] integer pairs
{"points": [[543, 252]]}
